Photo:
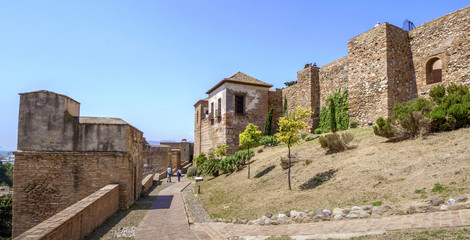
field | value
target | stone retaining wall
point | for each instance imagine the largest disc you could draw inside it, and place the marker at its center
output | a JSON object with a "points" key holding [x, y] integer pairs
{"points": [[147, 183], [80, 219]]}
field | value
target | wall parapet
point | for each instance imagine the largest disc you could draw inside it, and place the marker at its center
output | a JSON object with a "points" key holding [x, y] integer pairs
{"points": [[80, 219]]}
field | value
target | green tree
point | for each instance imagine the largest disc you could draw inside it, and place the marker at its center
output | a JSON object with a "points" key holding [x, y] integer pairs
{"points": [[284, 107], [6, 174], [249, 139], [332, 115], [289, 130], [5, 216], [267, 125]]}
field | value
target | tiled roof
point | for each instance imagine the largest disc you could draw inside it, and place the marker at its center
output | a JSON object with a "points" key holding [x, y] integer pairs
{"points": [[102, 120], [241, 78]]}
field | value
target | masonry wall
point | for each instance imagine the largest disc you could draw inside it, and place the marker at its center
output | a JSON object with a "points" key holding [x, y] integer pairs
{"points": [[447, 38], [306, 93], [155, 158], [275, 101], [333, 76], [367, 75], [80, 219], [175, 160], [48, 182], [186, 149], [256, 109], [200, 109], [134, 144]]}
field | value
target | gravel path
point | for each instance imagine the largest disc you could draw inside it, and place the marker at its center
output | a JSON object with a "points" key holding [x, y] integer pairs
{"points": [[123, 224], [197, 210]]}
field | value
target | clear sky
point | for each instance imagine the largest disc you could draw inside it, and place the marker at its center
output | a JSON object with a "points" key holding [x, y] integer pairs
{"points": [[148, 62]]}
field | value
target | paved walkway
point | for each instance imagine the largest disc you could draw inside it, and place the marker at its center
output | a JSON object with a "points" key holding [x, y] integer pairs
{"points": [[167, 219]]}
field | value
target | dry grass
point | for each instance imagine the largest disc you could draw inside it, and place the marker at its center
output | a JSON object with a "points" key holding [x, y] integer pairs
{"points": [[372, 171]]}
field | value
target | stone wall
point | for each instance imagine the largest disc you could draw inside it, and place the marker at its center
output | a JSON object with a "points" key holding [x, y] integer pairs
{"points": [[186, 149], [48, 182], [147, 182], [80, 219], [333, 76], [367, 75], [305, 94], [448, 39], [155, 158], [175, 161], [275, 101], [208, 132]]}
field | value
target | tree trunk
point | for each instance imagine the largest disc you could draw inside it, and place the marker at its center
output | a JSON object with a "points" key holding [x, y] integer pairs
{"points": [[248, 163], [288, 171]]}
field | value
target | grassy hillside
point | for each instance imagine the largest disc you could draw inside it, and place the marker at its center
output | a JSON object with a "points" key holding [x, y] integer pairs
{"points": [[374, 170]]}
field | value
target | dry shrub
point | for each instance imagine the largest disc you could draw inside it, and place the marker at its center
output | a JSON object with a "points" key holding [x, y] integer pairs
{"points": [[335, 142]]}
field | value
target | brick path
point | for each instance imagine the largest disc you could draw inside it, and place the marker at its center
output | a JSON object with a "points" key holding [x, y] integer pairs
{"points": [[166, 219]]}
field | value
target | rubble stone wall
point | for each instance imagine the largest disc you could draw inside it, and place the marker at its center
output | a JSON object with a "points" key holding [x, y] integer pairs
{"points": [[155, 158], [275, 101], [446, 38], [333, 76]]}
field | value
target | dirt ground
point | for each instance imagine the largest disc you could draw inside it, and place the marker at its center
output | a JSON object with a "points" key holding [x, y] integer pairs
{"points": [[374, 171]]}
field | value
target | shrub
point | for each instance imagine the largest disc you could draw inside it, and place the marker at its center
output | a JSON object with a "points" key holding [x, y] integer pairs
{"points": [[303, 135], [269, 141], [335, 142], [338, 101], [310, 137], [318, 131], [235, 162], [5, 216], [437, 94], [452, 110], [201, 158], [211, 166], [191, 171], [353, 124], [378, 203]]}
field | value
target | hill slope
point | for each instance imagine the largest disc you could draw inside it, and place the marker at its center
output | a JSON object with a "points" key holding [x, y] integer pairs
{"points": [[374, 170]]}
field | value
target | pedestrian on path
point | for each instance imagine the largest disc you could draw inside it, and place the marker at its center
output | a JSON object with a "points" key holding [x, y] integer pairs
{"points": [[178, 173], [168, 171]]}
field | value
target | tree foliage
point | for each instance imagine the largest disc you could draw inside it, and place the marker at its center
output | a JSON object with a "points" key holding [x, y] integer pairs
{"points": [[250, 138], [339, 102], [289, 130], [284, 107], [269, 122], [6, 174], [5, 216]]}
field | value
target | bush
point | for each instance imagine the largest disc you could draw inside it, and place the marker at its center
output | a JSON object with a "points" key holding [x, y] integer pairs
{"points": [[269, 141], [5, 216], [318, 131], [303, 135], [234, 162], [452, 110], [191, 171], [201, 158], [211, 166], [310, 137], [335, 142], [353, 124]]}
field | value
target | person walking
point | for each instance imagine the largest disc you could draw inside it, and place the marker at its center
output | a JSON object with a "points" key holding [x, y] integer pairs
{"points": [[168, 171], [178, 173]]}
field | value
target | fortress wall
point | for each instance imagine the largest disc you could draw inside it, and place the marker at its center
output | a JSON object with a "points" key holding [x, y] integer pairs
{"points": [[48, 182], [175, 162], [399, 67], [186, 148], [447, 38], [275, 100], [306, 93], [333, 76], [80, 219], [134, 155], [213, 135], [155, 158], [199, 115], [147, 182], [367, 75]]}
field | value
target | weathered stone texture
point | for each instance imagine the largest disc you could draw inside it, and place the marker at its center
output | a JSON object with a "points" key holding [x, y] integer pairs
{"points": [[333, 76], [186, 149], [147, 182], [155, 158], [175, 162], [305, 93], [367, 75], [447, 38], [275, 101], [48, 182], [80, 219]]}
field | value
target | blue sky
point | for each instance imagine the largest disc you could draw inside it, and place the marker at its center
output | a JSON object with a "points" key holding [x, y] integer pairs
{"points": [[148, 62]]}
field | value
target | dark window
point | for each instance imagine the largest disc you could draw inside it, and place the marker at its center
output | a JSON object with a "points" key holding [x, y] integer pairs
{"points": [[219, 110], [212, 109], [434, 71], [239, 104]]}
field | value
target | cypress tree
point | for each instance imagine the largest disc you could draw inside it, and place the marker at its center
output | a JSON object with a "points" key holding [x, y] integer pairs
{"points": [[268, 123], [332, 115], [284, 107]]}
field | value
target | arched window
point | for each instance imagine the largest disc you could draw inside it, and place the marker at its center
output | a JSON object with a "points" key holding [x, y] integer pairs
{"points": [[434, 71]]}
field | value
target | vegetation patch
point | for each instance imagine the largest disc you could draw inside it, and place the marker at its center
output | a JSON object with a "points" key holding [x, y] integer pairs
{"points": [[318, 179]]}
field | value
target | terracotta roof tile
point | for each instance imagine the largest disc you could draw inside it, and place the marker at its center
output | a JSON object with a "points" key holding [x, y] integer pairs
{"points": [[241, 78]]}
